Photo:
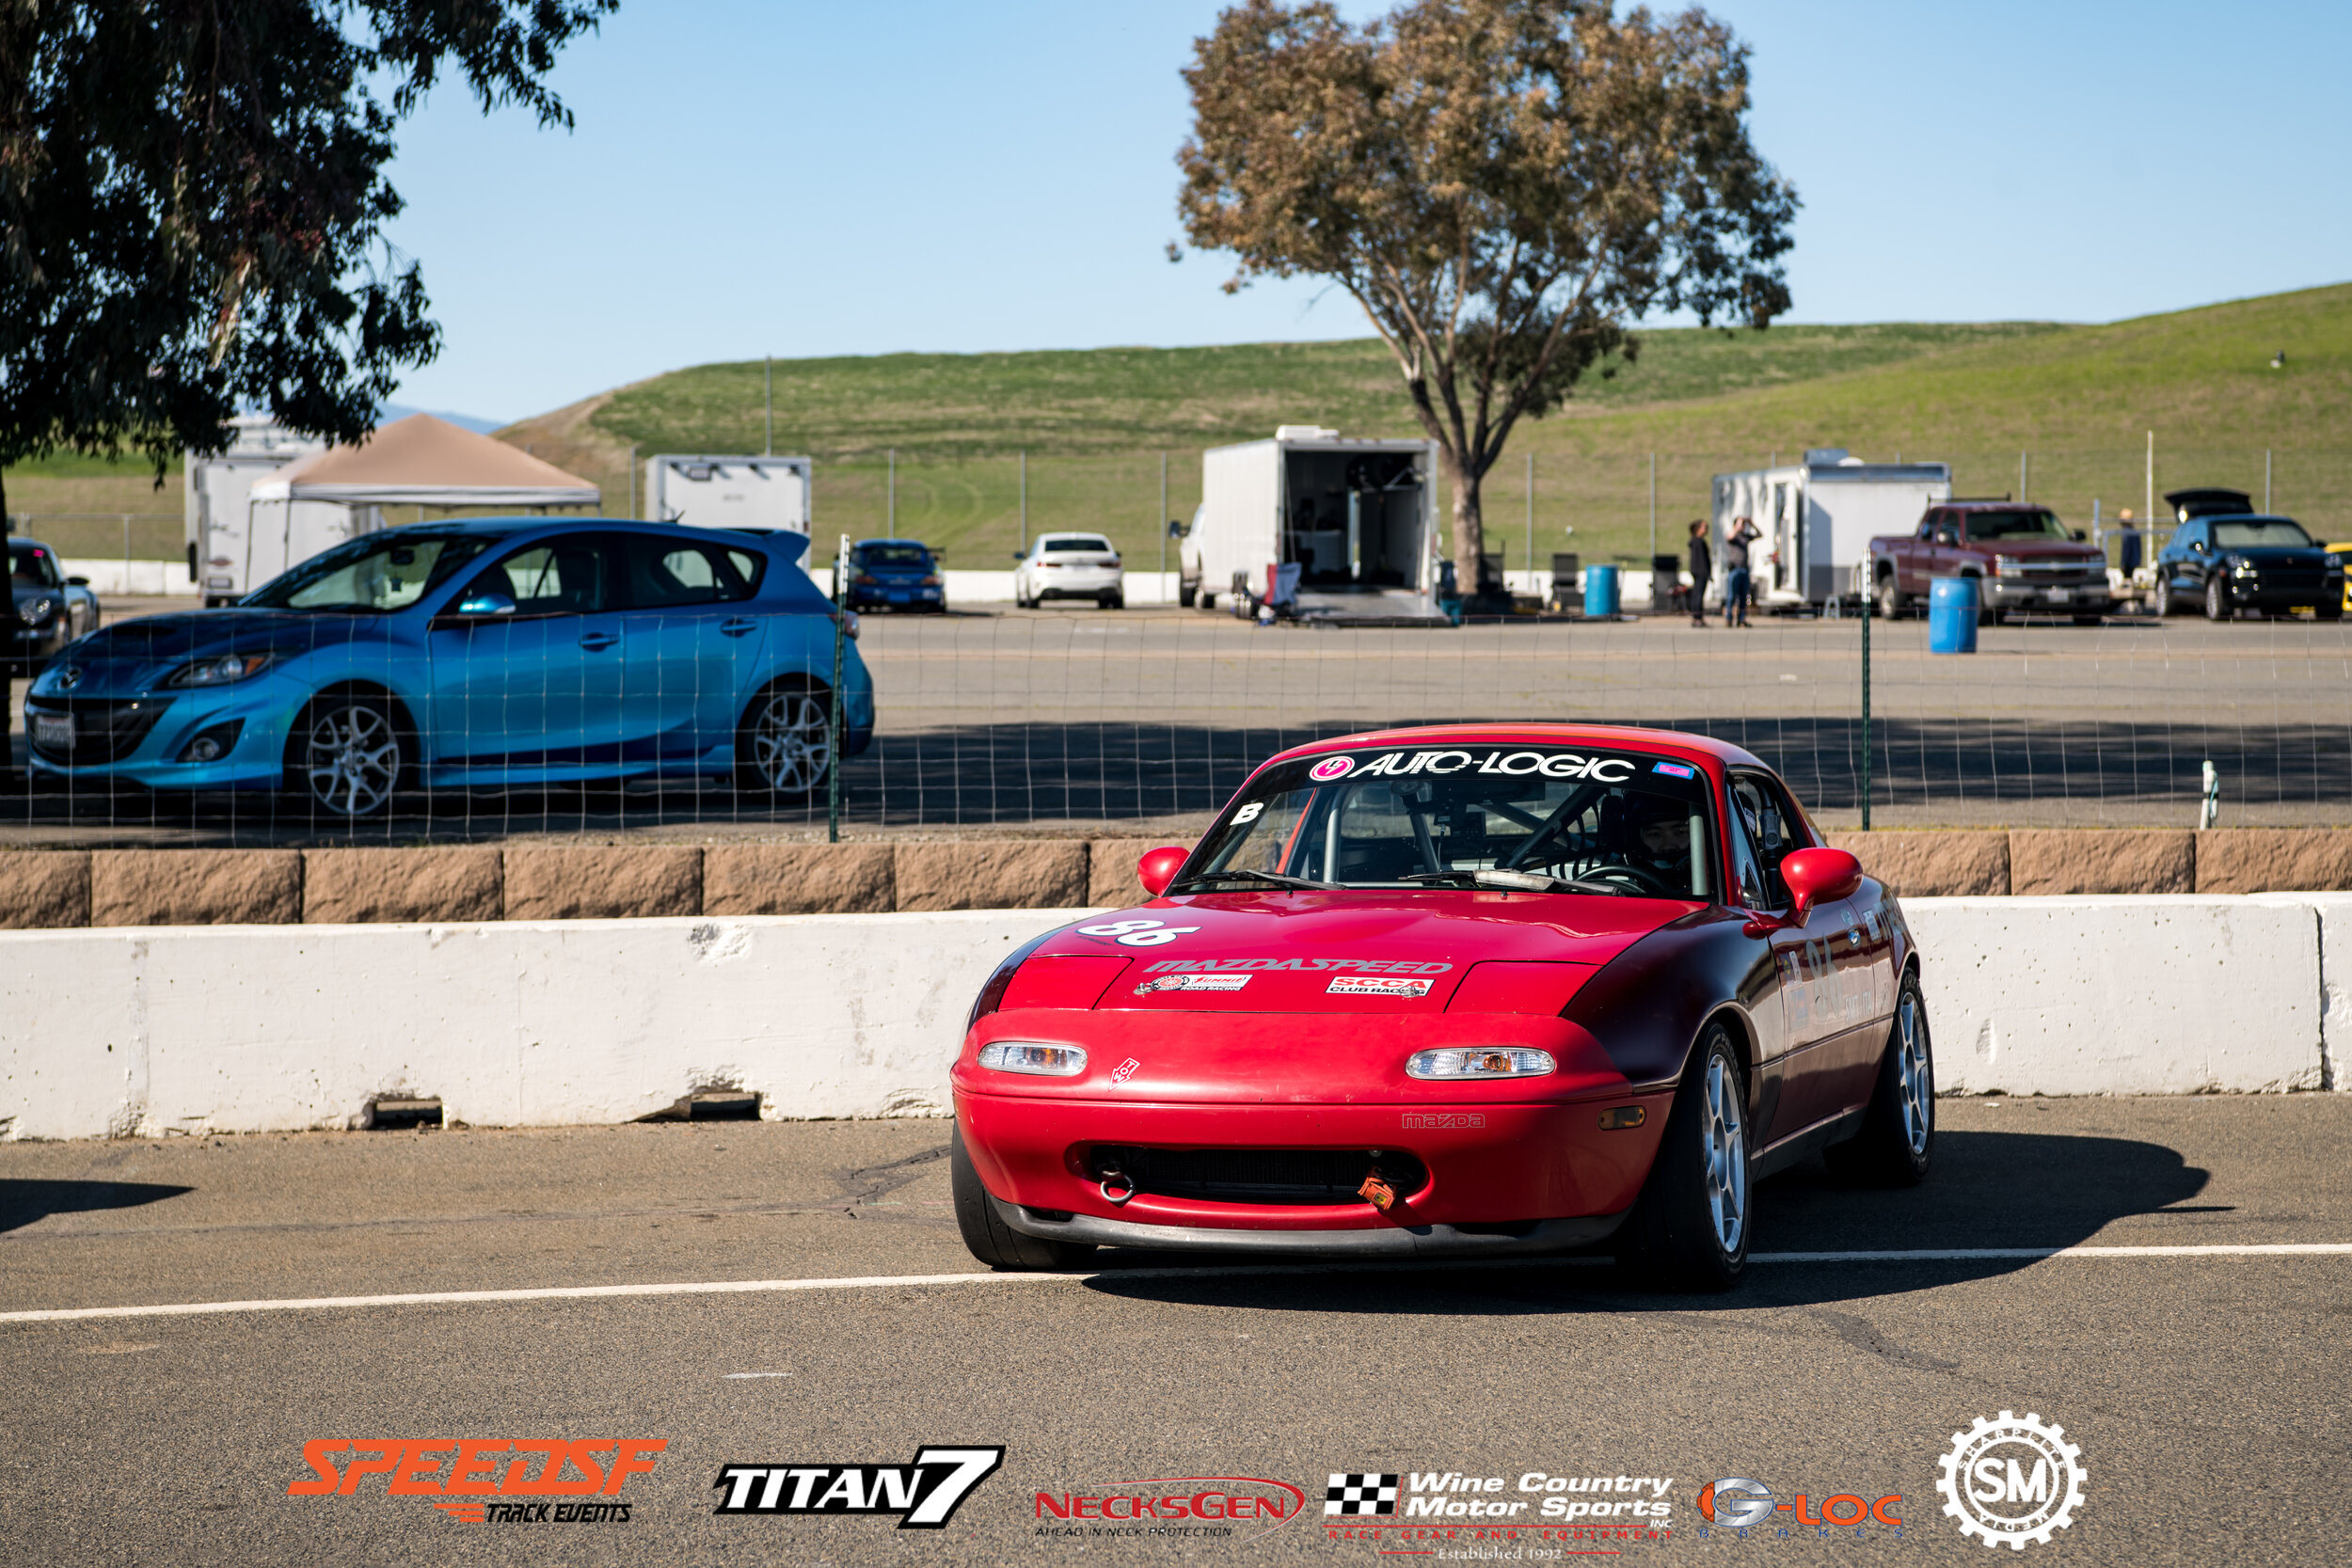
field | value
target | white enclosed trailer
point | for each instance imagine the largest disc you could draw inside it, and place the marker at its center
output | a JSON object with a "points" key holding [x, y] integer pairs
{"points": [[1357, 518], [216, 521], [729, 492], [1817, 519]]}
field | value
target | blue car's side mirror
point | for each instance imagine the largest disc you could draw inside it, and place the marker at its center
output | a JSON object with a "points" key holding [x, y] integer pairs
{"points": [[486, 604]]}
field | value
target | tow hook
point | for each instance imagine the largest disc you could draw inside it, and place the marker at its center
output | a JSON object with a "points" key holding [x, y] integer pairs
{"points": [[1118, 1186], [1376, 1191]]}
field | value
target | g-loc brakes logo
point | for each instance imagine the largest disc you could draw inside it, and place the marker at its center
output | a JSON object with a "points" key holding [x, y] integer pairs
{"points": [[1137, 933], [924, 1494], [1992, 1496], [474, 1488], [1743, 1502]]}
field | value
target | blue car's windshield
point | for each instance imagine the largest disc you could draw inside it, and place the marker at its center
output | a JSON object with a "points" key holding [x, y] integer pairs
{"points": [[2261, 532], [371, 576]]}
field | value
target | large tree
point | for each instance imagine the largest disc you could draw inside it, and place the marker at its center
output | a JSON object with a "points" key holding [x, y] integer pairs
{"points": [[1504, 186], [192, 203]]}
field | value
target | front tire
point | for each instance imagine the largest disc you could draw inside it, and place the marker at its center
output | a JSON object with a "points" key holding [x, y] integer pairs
{"points": [[1896, 1143], [992, 1241], [2216, 599], [1690, 1229], [2162, 602], [346, 757], [784, 746], [1890, 599]]}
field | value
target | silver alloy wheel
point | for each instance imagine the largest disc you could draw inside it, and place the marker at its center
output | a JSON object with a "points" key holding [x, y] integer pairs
{"points": [[2217, 600], [1911, 1062], [1726, 1156], [351, 759], [790, 748]]}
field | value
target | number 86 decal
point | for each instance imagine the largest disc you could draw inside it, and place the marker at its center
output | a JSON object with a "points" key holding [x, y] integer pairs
{"points": [[1137, 933]]}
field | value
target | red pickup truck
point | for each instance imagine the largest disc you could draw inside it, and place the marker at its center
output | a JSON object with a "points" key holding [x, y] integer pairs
{"points": [[2025, 558]]}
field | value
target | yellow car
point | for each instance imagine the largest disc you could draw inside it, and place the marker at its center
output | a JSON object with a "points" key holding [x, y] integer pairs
{"points": [[2345, 550]]}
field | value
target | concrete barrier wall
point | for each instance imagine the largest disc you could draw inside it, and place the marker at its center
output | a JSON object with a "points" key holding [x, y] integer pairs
{"points": [[146, 1032], [42, 890]]}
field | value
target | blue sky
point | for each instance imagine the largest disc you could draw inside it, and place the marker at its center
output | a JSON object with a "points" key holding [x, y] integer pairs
{"points": [[753, 177]]}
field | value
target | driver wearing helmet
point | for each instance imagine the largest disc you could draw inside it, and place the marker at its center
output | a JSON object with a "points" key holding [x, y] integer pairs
{"points": [[1661, 838]]}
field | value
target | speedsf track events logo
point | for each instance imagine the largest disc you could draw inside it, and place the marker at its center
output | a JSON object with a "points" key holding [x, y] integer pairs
{"points": [[498, 1480]]}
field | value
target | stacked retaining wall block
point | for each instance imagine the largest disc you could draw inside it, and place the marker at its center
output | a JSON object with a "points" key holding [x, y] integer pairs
{"points": [[50, 890]]}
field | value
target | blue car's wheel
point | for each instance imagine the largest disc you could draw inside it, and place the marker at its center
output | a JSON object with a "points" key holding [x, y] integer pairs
{"points": [[784, 744], [346, 756]]}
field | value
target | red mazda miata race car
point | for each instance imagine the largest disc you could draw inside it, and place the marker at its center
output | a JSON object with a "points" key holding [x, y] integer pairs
{"points": [[1464, 991]]}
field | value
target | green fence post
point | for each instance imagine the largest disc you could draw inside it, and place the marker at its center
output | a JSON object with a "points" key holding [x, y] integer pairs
{"points": [[833, 737], [1865, 712]]}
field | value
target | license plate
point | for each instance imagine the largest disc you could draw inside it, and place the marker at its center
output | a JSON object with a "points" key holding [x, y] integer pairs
{"points": [[54, 730], [2062, 595]]}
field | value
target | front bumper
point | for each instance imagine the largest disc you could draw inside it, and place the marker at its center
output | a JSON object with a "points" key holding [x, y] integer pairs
{"points": [[2277, 596], [30, 647], [1528, 1176], [114, 742], [1076, 585], [2076, 598], [1417, 1241]]}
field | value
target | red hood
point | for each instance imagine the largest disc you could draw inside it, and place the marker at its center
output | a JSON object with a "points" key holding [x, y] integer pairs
{"points": [[1378, 947]]}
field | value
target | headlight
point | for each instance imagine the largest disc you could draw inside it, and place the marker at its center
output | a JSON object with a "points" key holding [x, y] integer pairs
{"points": [[2006, 567], [1479, 1062], [1045, 1061], [37, 611], [2242, 567], [221, 670], [2335, 562]]}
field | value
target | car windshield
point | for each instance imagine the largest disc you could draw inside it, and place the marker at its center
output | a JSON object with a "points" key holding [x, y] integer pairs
{"points": [[1529, 816], [374, 575], [2259, 532], [2015, 525], [1062, 542], [33, 566], [894, 555]]}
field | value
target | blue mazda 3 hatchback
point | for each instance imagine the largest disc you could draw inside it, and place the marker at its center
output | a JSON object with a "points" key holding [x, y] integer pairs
{"points": [[491, 651]]}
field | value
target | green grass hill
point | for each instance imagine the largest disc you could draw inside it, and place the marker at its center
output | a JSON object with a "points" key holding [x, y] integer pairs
{"points": [[2077, 403]]}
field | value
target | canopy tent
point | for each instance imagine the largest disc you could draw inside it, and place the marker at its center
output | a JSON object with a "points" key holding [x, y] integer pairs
{"points": [[421, 461]]}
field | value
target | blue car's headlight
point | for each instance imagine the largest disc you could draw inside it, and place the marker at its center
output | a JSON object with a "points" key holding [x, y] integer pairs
{"points": [[37, 611], [223, 671]]}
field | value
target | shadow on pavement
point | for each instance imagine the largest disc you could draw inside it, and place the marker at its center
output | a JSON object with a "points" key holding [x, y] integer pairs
{"points": [[1988, 1190], [21, 1203]]}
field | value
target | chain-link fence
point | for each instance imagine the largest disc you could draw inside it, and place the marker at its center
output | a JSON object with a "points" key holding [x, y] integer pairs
{"points": [[699, 726]]}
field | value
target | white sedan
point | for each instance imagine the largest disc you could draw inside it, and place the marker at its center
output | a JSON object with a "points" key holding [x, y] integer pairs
{"points": [[1069, 566]]}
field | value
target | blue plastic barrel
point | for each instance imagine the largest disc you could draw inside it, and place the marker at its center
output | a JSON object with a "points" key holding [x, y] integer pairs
{"points": [[1600, 591], [1952, 615]]}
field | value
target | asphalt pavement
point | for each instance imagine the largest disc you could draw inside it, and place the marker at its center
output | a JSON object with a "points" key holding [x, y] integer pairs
{"points": [[2200, 1380]]}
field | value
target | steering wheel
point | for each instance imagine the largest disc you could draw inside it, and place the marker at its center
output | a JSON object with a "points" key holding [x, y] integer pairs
{"points": [[1643, 879]]}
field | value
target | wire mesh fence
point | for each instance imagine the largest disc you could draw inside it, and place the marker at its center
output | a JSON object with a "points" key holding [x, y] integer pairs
{"points": [[692, 724]]}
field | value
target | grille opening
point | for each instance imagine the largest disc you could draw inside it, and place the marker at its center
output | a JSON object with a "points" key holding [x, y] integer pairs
{"points": [[397, 1113], [1268, 1176]]}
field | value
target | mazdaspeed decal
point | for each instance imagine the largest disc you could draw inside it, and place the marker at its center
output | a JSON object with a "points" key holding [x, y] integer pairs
{"points": [[1313, 966]]}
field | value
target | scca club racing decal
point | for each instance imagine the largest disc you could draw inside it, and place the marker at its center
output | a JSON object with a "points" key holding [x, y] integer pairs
{"points": [[1311, 966], [498, 1480], [923, 1494], [1549, 765], [1376, 985]]}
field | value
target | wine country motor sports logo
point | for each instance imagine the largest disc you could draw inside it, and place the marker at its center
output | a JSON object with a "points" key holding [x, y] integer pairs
{"points": [[498, 1480], [2011, 1480], [923, 1494]]}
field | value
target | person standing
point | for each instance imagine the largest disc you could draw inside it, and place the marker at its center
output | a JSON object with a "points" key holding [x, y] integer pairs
{"points": [[1736, 579], [1702, 568]]}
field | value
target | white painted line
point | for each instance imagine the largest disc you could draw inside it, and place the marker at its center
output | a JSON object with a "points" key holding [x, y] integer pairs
{"points": [[1240, 1270]]}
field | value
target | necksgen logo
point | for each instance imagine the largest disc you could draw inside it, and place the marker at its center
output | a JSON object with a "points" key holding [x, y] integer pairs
{"points": [[486, 1479], [923, 1494]]}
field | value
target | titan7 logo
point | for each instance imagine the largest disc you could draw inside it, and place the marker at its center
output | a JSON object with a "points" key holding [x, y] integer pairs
{"points": [[923, 1494]]}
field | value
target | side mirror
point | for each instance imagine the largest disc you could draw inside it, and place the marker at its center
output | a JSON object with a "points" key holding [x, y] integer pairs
{"points": [[2080, 537], [77, 582], [486, 604], [1159, 867], [1021, 555], [1815, 876]]}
